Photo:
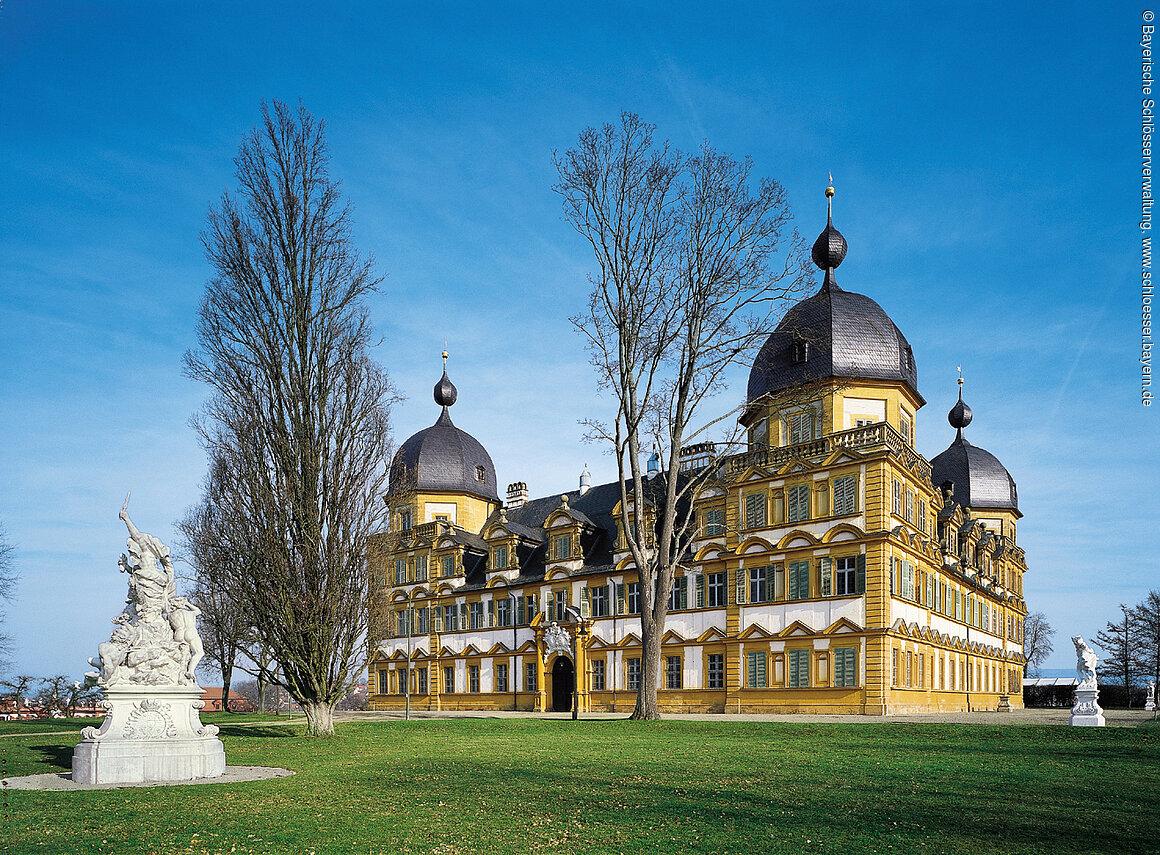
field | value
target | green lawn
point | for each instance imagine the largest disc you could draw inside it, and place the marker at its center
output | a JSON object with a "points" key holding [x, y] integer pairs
{"points": [[519, 786]]}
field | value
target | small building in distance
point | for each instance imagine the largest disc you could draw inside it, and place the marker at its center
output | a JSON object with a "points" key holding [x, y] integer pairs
{"points": [[834, 569], [211, 696]]}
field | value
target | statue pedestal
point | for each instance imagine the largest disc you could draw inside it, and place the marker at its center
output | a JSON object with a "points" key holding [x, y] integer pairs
{"points": [[1087, 712], [151, 733]]}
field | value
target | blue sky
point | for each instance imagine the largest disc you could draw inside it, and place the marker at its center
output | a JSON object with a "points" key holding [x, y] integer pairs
{"points": [[985, 157]]}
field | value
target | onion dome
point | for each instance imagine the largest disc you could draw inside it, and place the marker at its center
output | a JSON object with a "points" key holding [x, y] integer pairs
{"points": [[978, 480], [833, 334], [830, 247], [443, 458]]}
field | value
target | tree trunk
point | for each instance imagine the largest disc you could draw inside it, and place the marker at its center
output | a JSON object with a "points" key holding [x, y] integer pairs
{"points": [[262, 690], [319, 718], [647, 708], [227, 677]]}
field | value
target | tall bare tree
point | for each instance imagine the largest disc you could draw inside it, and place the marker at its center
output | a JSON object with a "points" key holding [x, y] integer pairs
{"points": [[1037, 642], [8, 577], [1121, 665], [298, 417], [1145, 625], [692, 264], [226, 628]]}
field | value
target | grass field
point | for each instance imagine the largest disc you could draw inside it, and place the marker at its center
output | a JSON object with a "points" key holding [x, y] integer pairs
{"points": [[532, 786]]}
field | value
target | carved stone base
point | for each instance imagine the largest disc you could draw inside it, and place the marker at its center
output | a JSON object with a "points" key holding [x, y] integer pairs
{"points": [[1150, 705], [1004, 703], [151, 733], [1087, 711]]}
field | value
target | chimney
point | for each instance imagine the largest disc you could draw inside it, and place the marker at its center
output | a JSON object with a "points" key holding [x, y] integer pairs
{"points": [[517, 494]]}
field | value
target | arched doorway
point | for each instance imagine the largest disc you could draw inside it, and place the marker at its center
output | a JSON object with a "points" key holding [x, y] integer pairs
{"points": [[563, 684]]}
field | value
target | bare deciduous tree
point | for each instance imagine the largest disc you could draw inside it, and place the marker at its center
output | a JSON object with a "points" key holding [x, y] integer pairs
{"points": [[1037, 642], [1120, 665], [8, 576], [19, 687], [298, 416], [692, 265], [226, 628], [1146, 634]]}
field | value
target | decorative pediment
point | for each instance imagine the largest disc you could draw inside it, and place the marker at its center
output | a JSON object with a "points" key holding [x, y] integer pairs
{"points": [[754, 473], [797, 539], [445, 652], [710, 493], [754, 546], [630, 640], [712, 552], [471, 650], [711, 635], [842, 626], [595, 642], [672, 637], [842, 533], [447, 543], [527, 647], [556, 573], [498, 649], [797, 629], [754, 631], [796, 466], [842, 455]]}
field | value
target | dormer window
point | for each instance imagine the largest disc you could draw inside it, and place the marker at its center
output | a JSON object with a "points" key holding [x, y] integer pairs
{"points": [[908, 358], [563, 547], [480, 474], [405, 520], [801, 428], [800, 351]]}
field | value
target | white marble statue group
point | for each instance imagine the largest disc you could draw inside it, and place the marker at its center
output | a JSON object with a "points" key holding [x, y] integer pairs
{"points": [[155, 641]]}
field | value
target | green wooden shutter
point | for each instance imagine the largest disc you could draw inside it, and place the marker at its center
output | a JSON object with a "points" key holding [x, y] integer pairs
{"points": [[700, 597], [752, 669], [860, 572], [463, 622], [741, 579], [585, 602], [620, 601], [491, 613], [825, 571], [437, 619]]}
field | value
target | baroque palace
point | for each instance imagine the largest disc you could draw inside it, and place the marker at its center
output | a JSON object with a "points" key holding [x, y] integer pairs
{"points": [[835, 570]]}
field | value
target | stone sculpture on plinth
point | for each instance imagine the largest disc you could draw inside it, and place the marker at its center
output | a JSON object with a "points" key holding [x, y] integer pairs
{"points": [[152, 729], [1087, 711], [1150, 700]]}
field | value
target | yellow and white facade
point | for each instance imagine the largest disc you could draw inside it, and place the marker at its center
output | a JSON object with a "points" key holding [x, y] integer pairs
{"points": [[834, 569]]}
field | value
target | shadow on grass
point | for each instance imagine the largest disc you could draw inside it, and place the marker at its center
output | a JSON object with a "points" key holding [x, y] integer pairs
{"points": [[264, 732], [55, 755]]}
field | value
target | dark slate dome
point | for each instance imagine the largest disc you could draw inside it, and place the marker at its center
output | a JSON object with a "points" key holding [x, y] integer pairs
{"points": [[980, 480], [833, 334], [444, 458]]}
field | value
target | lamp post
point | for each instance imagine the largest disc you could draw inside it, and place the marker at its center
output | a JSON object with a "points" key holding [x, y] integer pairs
{"points": [[514, 676], [577, 640], [407, 670]]}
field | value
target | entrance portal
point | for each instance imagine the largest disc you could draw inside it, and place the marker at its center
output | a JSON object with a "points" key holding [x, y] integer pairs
{"points": [[563, 684]]}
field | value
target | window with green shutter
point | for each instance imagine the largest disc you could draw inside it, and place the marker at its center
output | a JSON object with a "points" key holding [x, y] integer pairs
{"points": [[448, 565], [755, 510], [400, 571], [826, 577], [846, 666], [798, 500], [716, 587], [844, 495], [758, 584], [501, 557], [699, 598], [714, 522], [739, 595], [563, 547], [798, 663], [801, 428], [896, 496], [799, 580], [679, 596], [757, 673]]}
